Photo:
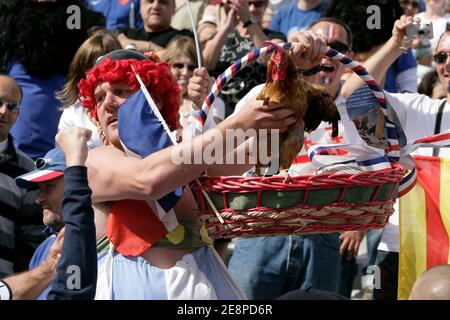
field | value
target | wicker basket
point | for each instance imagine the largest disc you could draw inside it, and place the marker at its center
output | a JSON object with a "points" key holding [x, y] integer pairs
{"points": [[258, 206]]}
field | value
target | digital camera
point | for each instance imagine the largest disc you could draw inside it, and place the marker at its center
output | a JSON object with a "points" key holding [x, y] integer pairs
{"points": [[420, 30]]}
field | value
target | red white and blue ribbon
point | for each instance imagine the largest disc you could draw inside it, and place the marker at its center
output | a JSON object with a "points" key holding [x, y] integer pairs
{"points": [[223, 79]]}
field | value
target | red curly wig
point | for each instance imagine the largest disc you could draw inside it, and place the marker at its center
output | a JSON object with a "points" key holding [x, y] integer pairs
{"points": [[156, 77]]}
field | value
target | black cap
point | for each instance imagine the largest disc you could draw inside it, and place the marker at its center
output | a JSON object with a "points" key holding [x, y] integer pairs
{"points": [[122, 54]]}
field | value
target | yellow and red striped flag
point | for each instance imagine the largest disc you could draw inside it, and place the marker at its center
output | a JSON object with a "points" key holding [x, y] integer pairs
{"points": [[424, 222]]}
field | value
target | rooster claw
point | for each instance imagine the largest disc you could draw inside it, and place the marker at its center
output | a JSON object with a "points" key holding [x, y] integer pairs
{"points": [[284, 173]]}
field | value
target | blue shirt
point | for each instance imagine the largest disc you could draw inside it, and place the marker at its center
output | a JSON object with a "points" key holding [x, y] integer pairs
{"points": [[403, 63], [421, 5], [39, 256], [35, 129], [290, 19], [118, 13]]}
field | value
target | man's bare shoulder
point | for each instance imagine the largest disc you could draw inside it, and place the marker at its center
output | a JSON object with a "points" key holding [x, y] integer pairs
{"points": [[103, 155], [105, 151], [107, 173]]}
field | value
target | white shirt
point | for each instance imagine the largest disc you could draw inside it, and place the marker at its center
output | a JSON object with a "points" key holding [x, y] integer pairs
{"points": [[215, 115], [417, 113]]}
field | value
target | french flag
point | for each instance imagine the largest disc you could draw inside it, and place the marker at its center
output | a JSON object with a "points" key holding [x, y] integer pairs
{"points": [[133, 225]]}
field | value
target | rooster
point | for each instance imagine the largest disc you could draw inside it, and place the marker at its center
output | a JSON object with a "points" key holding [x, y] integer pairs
{"points": [[310, 102]]}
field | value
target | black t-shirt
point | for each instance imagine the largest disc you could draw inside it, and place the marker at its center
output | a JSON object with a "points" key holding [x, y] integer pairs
{"points": [[235, 48], [161, 38]]}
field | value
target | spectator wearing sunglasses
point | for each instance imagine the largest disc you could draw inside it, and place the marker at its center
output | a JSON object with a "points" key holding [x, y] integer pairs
{"points": [[401, 76], [20, 216], [297, 16], [180, 54], [417, 114]]}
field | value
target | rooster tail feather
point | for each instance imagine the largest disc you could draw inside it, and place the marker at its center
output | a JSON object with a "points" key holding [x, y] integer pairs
{"points": [[321, 107]]}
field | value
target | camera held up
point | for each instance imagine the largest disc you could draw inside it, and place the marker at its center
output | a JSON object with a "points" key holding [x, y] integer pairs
{"points": [[420, 30]]}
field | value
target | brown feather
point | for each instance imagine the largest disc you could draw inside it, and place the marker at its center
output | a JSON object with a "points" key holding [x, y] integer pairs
{"points": [[311, 105]]}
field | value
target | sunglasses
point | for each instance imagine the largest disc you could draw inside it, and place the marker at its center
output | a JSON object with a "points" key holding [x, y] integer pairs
{"points": [[11, 105], [339, 46], [180, 66], [413, 4], [42, 163], [441, 57], [257, 4]]}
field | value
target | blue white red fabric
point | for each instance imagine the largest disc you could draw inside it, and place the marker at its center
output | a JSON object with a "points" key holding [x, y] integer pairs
{"points": [[142, 134], [134, 226]]}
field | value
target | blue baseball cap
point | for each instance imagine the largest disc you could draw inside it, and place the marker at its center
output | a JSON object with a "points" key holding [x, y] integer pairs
{"points": [[50, 167]]}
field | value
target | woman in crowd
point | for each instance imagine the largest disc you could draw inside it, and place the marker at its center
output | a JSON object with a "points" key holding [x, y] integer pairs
{"points": [[180, 55], [99, 43]]}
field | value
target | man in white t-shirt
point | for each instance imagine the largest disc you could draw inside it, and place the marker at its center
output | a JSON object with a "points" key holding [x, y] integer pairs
{"points": [[417, 116], [267, 267]]}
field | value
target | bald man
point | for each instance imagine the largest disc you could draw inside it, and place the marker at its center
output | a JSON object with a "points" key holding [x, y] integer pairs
{"points": [[20, 217], [10, 97], [433, 284]]}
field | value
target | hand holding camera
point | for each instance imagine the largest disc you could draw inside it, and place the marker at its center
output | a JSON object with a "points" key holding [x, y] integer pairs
{"points": [[408, 30], [420, 31]]}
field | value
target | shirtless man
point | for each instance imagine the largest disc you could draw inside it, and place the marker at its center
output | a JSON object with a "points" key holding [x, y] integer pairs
{"points": [[167, 269]]}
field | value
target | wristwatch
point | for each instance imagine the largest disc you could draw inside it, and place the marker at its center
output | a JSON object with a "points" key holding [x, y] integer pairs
{"points": [[5, 291], [249, 21]]}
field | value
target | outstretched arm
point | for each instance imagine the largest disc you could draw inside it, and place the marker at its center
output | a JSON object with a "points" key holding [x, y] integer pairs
{"points": [[380, 61], [113, 176]]}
